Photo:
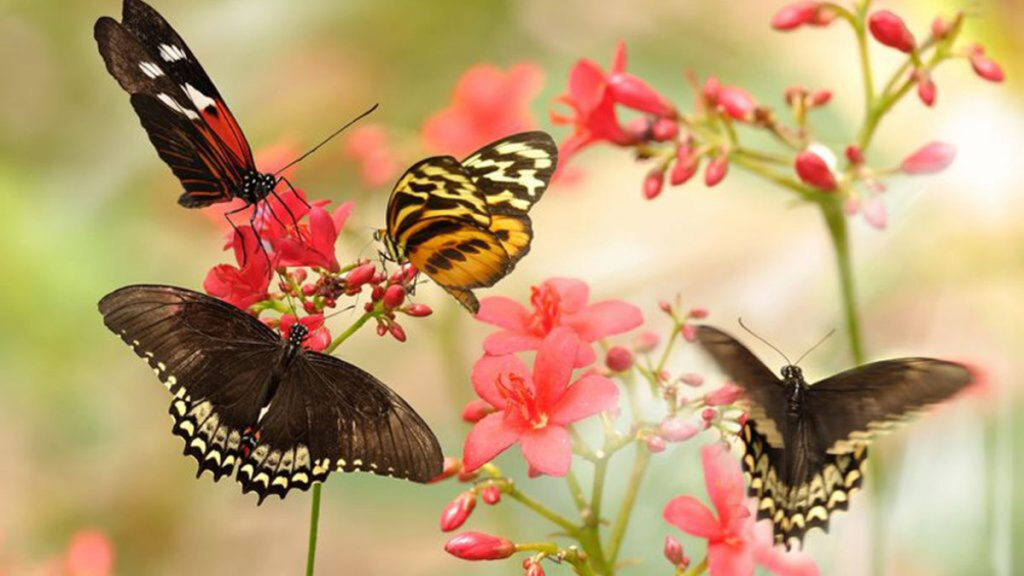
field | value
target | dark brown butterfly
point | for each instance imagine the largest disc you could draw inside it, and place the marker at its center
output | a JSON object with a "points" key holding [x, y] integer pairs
{"points": [[806, 445], [245, 399]]}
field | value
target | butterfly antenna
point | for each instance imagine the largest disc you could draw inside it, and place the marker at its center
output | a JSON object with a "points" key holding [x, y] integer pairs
{"points": [[328, 139], [820, 342], [770, 345]]}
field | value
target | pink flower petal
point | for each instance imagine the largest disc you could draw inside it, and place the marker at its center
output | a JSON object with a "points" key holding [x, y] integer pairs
{"points": [[572, 293], [489, 437], [724, 481], [776, 559], [509, 342], [548, 449], [586, 355], [604, 319], [341, 214], [693, 517], [503, 312], [553, 365], [619, 60], [735, 558], [589, 395], [487, 371]]}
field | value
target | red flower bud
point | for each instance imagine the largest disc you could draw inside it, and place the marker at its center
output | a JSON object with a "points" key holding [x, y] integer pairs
{"points": [[309, 289], [451, 467], [690, 333], [854, 155], [821, 97], [397, 332], [698, 313], [645, 342], [929, 159], [634, 93], [479, 546], [618, 359], [475, 410], [377, 293], [382, 329], [309, 307], [685, 167], [692, 379], [984, 66], [925, 88], [457, 511], [727, 394], [801, 13], [677, 429], [737, 103], [813, 170], [532, 567], [360, 275], [711, 87], [491, 494], [716, 170], [330, 302], [655, 444], [890, 30], [940, 28], [674, 551], [419, 310], [708, 414], [665, 306], [665, 129], [394, 296], [653, 183]]}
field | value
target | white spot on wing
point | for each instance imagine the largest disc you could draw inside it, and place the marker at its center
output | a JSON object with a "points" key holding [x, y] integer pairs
{"points": [[202, 101], [150, 69], [171, 53], [173, 105]]}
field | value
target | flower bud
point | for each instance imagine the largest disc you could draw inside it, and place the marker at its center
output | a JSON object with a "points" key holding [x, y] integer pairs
{"points": [[618, 359], [940, 28], [382, 329], [925, 88], [419, 310], [800, 14], [737, 103], [360, 275], [634, 93], [889, 29], [716, 170], [813, 170], [309, 289], [665, 129], [491, 494], [646, 341], [677, 429], [377, 293], [397, 332], [711, 87], [929, 159], [653, 183], [674, 551], [655, 444], [873, 209], [854, 155], [727, 394], [309, 306], [457, 511], [820, 98], [692, 379], [984, 66], [450, 468], [532, 567], [698, 313], [479, 546], [708, 415], [690, 333], [475, 410], [394, 296]]}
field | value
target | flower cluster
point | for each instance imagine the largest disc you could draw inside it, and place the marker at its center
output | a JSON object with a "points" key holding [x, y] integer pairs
{"points": [[540, 407], [89, 552], [678, 144]]}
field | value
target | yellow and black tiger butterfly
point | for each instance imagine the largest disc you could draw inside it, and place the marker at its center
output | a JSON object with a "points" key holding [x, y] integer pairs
{"points": [[806, 446], [465, 224]]}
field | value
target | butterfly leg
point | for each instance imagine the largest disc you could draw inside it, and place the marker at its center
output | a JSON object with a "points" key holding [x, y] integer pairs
{"points": [[295, 221], [237, 232]]}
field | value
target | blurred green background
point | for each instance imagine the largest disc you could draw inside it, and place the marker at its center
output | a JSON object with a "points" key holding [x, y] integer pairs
{"points": [[88, 207]]}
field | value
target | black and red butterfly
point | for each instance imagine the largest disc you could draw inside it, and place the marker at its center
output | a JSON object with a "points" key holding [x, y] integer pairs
{"points": [[186, 119]]}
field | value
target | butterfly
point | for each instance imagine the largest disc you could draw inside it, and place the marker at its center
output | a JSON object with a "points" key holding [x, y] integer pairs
{"points": [[805, 446], [465, 224], [249, 403]]}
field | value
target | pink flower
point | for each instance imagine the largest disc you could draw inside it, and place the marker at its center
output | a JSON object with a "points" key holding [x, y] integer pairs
{"points": [[730, 534], [479, 546], [556, 302], [533, 410], [89, 553], [370, 146], [776, 559], [873, 209], [889, 29], [677, 429], [929, 159], [318, 338], [813, 170], [475, 410], [800, 14], [984, 66], [246, 284], [312, 244], [488, 103]]}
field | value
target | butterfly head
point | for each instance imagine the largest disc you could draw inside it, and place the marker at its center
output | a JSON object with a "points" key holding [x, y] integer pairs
{"points": [[256, 186], [792, 372]]}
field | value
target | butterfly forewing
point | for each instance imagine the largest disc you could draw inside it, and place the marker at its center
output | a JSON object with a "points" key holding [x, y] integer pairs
{"points": [[246, 400]]}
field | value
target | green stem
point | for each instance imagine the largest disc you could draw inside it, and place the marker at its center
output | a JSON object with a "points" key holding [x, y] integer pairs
{"points": [[589, 536], [314, 520], [576, 490], [836, 221], [562, 522], [860, 31], [636, 478], [698, 569]]}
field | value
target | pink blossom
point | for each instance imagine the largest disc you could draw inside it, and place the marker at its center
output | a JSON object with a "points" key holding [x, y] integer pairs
{"points": [[488, 103], [677, 429], [245, 284], [534, 409], [556, 302], [889, 29], [89, 553], [370, 146], [778, 560], [929, 159], [312, 244], [873, 209]]}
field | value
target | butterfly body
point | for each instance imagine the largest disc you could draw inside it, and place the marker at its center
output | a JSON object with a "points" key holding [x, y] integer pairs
{"points": [[249, 403], [806, 445], [465, 224]]}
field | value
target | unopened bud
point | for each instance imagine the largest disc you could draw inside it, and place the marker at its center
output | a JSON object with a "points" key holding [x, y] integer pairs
{"points": [[491, 494], [394, 296], [457, 511], [479, 546], [653, 183], [618, 359]]}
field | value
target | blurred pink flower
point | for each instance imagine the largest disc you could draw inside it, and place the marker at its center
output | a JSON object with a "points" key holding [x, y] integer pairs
{"points": [[930, 158], [242, 285], [487, 104], [556, 302], [90, 553], [798, 14], [983, 66], [370, 146], [776, 559], [533, 410]]}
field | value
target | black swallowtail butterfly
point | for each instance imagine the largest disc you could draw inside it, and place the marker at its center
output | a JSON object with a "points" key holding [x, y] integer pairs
{"points": [[245, 399], [806, 445]]}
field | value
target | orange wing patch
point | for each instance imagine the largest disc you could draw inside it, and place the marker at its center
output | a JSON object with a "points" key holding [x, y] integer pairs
{"points": [[515, 232]]}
